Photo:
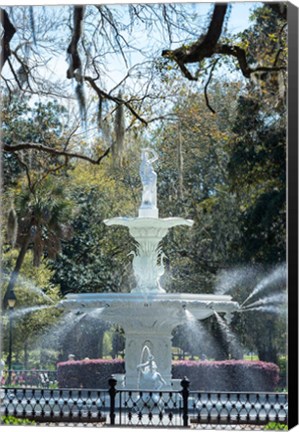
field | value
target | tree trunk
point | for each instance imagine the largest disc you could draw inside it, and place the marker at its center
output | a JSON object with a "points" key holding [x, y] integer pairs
{"points": [[19, 263]]}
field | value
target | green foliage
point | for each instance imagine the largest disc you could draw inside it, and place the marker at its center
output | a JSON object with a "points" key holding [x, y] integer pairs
{"points": [[39, 123], [275, 426], [14, 421], [257, 173], [265, 36], [48, 210]]}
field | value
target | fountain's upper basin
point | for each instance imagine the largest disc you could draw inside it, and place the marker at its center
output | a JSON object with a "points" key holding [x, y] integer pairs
{"points": [[141, 222], [163, 308]]}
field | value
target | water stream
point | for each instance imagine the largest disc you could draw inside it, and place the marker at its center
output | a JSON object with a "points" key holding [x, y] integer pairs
{"points": [[198, 337], [27, 284], [270, 309], [267, 301], [275, 280], [229, 336], [20, 313], [229, 280]]}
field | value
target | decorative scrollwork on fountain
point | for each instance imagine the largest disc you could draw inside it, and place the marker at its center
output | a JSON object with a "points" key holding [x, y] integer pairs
{"points": [[148, 267]]}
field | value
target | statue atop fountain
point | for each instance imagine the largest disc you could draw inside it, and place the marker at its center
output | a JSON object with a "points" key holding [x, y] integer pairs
{"points": [[150, 378], [148, 176]]}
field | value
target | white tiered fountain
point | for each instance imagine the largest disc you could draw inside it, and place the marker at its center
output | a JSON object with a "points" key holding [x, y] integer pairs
{"points": [[148, 314]]}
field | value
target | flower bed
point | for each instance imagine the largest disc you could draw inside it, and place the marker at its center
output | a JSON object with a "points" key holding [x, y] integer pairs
{"points": [[229, 375]]}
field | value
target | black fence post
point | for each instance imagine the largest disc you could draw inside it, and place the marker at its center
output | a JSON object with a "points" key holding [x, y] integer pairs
{"points": [[112, 393], [185, 394]]}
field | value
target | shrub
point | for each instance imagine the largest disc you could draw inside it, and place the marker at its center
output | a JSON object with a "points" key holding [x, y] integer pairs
{"points": [[228, 375], [13, 421], [88, 373], [276, 426]]}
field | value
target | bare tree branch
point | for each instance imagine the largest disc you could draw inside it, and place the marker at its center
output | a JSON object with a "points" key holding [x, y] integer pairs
{"points": [[25, 69], [207, 85], [14, 74], [75, 61], [207, 46], [8, 33], [109, 19], [240, 55], [50, 150], [115, 99]]}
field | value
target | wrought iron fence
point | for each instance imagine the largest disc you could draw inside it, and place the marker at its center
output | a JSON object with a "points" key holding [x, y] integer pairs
{"points": [[54, 405], [151, 408], [237, 408], [122, 407]]}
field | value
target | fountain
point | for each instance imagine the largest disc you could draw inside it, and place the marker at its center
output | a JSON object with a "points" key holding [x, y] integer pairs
{"points": [[148, 314]]}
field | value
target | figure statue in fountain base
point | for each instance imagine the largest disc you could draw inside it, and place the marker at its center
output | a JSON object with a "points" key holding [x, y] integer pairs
{"points": [[150, 378], [152, 381]]}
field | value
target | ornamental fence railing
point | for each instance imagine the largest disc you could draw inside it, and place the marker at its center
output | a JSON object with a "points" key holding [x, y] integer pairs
{"points": [[121, 407]]}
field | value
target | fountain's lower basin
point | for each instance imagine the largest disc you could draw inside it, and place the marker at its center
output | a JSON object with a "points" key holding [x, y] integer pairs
{"points": [[149, 319]]}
